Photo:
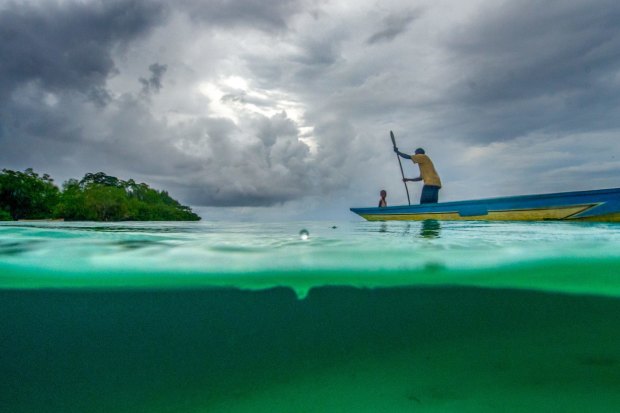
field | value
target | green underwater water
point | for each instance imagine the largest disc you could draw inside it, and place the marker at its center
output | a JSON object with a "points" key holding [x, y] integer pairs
{"points": [[360, 316]]}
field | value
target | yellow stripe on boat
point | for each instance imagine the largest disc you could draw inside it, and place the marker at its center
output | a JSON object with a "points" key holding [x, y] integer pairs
{"points": [[539, 214]]}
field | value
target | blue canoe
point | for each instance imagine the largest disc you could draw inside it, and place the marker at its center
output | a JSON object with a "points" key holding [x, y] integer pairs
{"points": [[601, 205]]}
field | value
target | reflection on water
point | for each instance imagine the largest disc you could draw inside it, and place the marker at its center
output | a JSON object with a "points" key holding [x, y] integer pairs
{"points": [[430, 228]]}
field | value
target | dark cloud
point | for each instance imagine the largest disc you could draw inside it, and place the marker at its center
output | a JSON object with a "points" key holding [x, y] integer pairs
{"points": [[393, 26], [318, 53], [153, 83], [55, 61], [268, 15], [68, 46], [269, 130], [525, 68], [271, 168]]}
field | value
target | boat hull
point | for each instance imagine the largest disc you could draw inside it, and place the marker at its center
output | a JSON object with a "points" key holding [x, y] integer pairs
{"points": [[601, 205]]}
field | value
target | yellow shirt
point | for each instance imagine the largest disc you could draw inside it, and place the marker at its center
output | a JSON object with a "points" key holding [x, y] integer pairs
{"points": [[427, 169]]}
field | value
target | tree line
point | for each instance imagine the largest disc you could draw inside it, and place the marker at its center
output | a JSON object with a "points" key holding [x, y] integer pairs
{"points": [[96, 197]]}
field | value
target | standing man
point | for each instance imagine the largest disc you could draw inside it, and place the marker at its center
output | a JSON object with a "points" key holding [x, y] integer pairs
{"points": [[428, 174]]}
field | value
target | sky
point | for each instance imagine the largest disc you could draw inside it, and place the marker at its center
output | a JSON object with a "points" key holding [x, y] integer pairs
{"points": [[281, 109]]}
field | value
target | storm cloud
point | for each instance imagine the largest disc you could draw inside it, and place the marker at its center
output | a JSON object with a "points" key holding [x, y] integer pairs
{"points": [[64, 47], [154, 82], [392, 26], [268, 15], [554, 69], [288, 103]]}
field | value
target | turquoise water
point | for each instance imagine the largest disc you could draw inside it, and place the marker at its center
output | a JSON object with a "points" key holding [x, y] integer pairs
{"points": [[559, 257], [357, 316]]}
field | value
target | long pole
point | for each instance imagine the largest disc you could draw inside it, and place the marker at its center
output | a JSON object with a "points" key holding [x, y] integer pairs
{"points": [[401, 167]]}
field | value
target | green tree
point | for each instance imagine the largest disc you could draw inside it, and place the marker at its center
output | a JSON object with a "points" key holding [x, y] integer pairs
{"points": [[106, 203], [71, 206], [100, 178], [96, 197], [5, 215], [26, 195]]}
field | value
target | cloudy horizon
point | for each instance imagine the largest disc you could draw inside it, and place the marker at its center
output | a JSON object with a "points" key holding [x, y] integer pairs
{"points": [[282, 108]]}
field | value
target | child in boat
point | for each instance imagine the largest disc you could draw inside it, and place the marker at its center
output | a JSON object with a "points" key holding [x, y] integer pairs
{"points": [[382, 201]]}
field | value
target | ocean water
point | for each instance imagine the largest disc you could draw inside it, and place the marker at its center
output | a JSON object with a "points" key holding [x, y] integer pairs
{"points": [[310, 317]]}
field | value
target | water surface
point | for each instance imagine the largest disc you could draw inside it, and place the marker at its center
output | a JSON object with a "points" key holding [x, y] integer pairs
{"points": [[548, 255]]}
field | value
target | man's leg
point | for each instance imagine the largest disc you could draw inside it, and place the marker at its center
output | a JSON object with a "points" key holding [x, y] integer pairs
{"points": [[430, 194]]}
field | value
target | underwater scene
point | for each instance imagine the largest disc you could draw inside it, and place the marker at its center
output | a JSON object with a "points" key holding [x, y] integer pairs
{"points": [[309, 317]]}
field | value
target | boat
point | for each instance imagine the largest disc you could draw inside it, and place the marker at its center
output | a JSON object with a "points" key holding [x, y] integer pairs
{"points": [[601, 205]]}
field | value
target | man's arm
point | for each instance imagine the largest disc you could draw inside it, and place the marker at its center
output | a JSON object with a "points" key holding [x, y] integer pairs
{"points": [[419, 178], [402, 154]]}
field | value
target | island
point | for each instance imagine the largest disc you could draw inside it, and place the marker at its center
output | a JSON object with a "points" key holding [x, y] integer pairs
{"points": [[96, 197]]}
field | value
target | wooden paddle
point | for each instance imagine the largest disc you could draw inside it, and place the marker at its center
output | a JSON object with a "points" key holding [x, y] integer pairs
{"points": [[401, 167]]}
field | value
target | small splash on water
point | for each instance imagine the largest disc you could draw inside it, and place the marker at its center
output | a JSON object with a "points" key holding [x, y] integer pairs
{"points": [[304, 234]]}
